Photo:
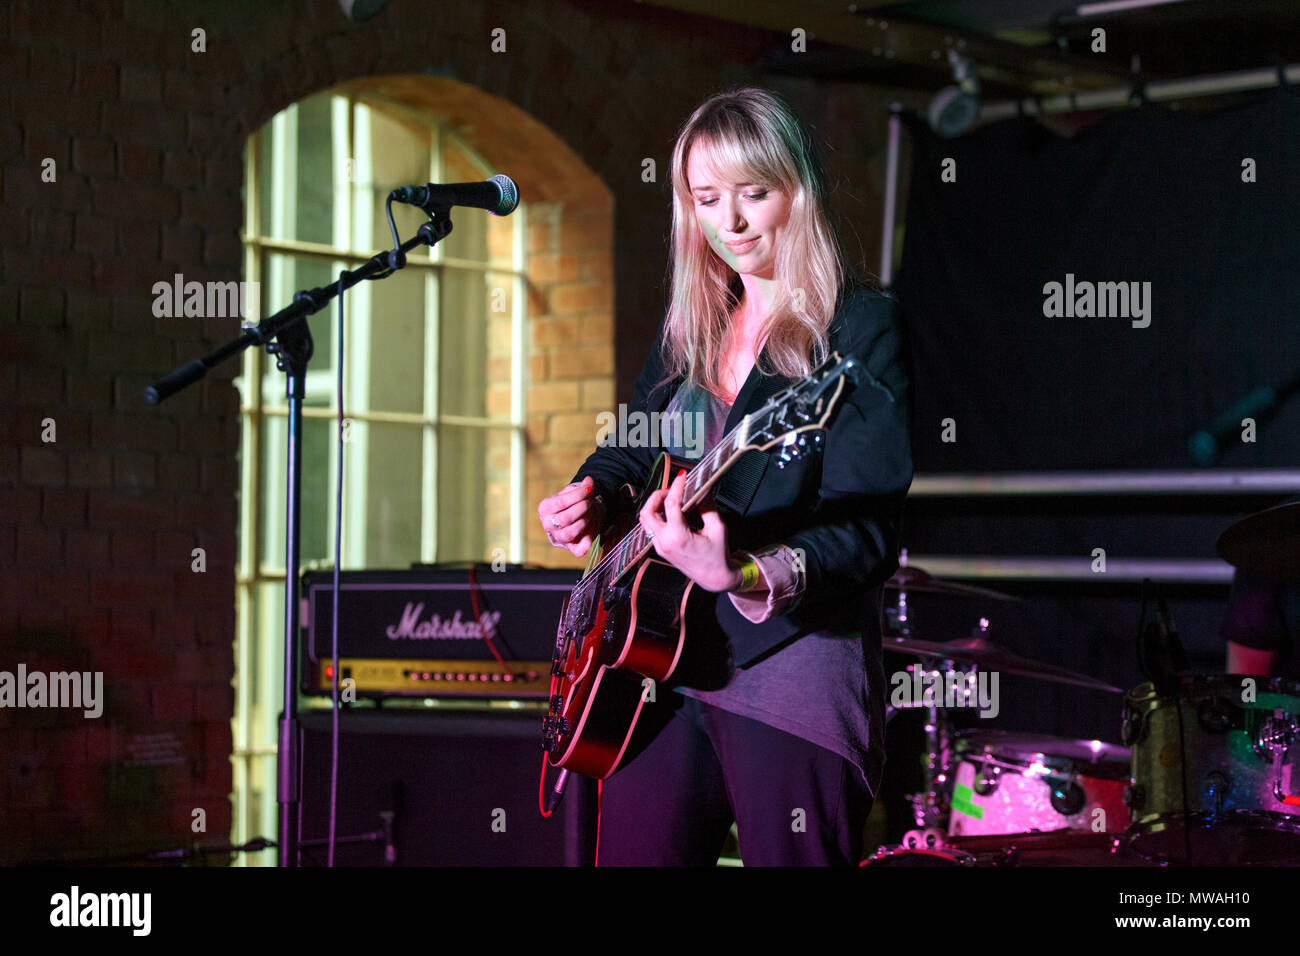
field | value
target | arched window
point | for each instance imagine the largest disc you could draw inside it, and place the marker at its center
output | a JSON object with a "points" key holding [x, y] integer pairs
{"points": [[435, 364]]}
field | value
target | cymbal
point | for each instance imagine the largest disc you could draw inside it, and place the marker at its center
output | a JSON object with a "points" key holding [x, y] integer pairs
{"points": [[1267, 542], [913, 579], [987, 655], [1024, 746]]}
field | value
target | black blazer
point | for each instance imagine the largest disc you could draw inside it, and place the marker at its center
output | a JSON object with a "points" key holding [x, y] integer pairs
{"points": [[843, 507]]}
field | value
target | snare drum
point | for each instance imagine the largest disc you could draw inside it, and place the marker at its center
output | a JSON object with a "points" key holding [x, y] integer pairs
{"points": [[1236, 740], [1024, 783]]}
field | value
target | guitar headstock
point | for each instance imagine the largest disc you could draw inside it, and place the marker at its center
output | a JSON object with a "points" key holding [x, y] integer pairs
{"points": [[795, 417]]}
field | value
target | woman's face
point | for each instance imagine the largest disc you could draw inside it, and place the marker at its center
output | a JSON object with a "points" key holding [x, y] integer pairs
{"points": [[744, 223]]}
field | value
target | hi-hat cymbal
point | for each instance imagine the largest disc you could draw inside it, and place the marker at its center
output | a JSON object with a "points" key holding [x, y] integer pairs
{"points": [[989, 656], [1267, 542], [913, 579]]}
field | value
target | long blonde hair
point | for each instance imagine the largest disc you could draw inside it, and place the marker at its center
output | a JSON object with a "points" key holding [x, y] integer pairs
{"points": [[752, 135]]}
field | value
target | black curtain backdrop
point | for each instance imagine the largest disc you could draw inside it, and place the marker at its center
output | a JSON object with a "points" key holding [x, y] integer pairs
{"points": [[1146, 195]]}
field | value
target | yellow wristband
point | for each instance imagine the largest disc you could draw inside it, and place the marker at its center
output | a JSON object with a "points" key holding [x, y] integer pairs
{"points": [[748, 572]]}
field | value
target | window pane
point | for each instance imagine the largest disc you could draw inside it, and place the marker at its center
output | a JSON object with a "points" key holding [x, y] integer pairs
{"points": [[399, 154], [286, 275], [462, 493], [266, 687], [474, 500], [397, 342], [458, 166], [318, 434], [472, 335], [296, 180], [395, 493], [315, 171]]}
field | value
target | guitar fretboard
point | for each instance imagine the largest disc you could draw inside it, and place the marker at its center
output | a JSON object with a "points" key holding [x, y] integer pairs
{"points": [[636, 543]]}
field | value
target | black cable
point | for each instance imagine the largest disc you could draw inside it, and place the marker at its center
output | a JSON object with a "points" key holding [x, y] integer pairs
{"points": [[338, 535], [392, 226], [334, 623]]}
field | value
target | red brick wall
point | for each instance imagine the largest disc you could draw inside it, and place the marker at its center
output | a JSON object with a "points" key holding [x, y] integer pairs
{"points": [[97, 527]]}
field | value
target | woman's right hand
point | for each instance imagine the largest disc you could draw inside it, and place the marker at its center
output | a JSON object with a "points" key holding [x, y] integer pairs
{"points": [[573, 516]]}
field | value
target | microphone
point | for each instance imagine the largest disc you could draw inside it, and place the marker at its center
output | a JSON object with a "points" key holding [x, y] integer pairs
{"points": [[499, 195]]}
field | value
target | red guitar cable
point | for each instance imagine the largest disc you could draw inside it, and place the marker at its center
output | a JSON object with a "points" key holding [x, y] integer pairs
{"points": [[478, 618], [541, 789]]}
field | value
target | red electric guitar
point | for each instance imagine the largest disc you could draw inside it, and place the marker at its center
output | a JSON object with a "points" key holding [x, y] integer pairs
{"points": [[623, 624]]}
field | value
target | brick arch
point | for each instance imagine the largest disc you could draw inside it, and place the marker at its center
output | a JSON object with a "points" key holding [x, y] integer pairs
{"points": [[293, 57], [569, 375], [572, 109]]}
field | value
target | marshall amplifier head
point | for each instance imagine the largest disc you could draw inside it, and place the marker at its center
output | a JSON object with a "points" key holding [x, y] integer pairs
{"points": [[435, 631]]}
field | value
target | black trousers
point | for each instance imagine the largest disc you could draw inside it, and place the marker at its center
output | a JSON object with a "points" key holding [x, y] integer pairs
{"points": [[693, 769]]}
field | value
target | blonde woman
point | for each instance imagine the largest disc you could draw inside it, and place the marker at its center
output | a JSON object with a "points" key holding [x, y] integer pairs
{"points": [[777, 719]]}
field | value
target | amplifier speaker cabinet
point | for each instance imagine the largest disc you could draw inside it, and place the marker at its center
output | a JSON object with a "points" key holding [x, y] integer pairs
{"points": [[454, 788], [418, 633]]}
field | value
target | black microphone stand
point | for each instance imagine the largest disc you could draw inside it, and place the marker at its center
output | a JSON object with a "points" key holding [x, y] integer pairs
{"points": [[286, 336]]}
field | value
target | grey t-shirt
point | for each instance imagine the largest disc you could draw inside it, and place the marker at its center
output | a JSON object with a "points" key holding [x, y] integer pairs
{"points": [[817, 687]]}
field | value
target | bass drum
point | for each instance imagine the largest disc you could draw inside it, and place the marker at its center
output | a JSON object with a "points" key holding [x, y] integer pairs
{"points": [[1216, 770], [1007, 783]]}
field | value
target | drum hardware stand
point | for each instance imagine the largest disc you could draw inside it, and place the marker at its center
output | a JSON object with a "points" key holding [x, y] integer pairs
{"points": [[1273, 738], [932, 806], [929, 806]]}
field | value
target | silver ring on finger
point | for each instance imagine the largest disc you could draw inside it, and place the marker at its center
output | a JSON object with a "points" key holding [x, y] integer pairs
{"points": [[555, 521]]}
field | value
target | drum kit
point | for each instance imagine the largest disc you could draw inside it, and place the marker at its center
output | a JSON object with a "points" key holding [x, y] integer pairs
{"points": [[1206, 770]]}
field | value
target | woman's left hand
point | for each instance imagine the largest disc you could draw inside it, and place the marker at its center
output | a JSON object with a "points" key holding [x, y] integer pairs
{"points": [[701, 555]]}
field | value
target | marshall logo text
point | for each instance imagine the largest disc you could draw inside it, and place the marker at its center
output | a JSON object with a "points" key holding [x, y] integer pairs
{"points": [[413, 628]]}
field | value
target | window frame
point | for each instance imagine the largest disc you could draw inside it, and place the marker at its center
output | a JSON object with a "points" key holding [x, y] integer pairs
{"points": [[258, 582]]}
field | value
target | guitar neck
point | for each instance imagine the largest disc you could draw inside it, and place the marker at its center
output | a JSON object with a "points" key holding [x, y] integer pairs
{"points": [[802, 407], [635, 544]]}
